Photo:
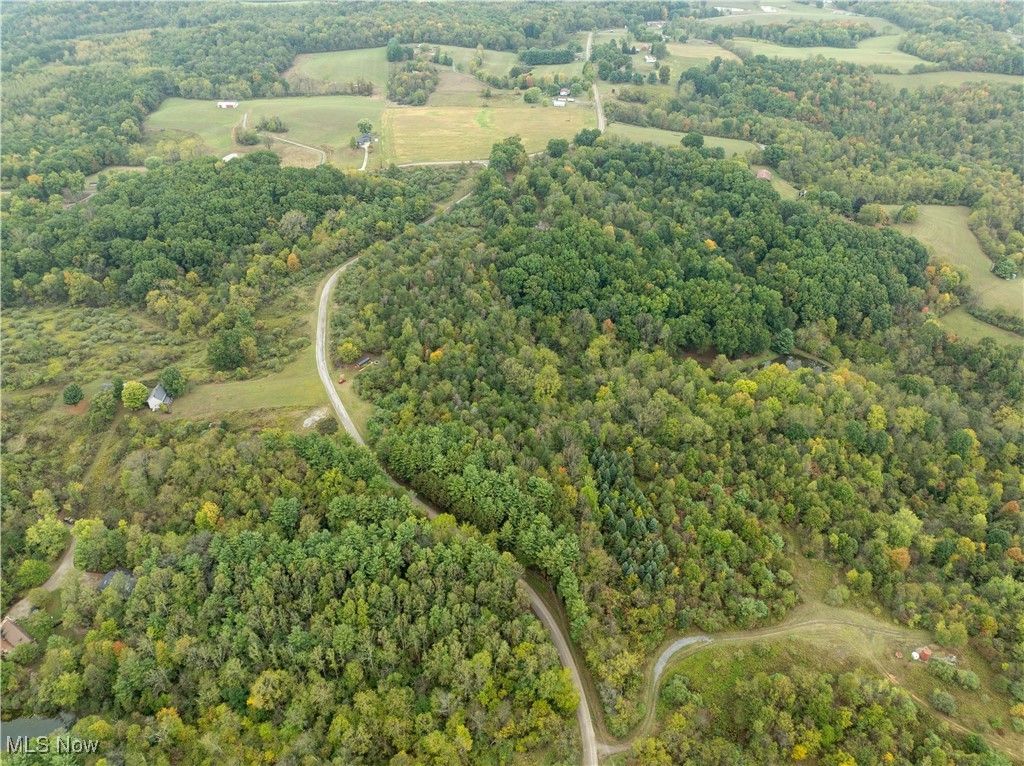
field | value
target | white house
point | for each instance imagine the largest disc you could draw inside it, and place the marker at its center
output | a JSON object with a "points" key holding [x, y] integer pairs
{"points": [[158, 398], [227, 104]]}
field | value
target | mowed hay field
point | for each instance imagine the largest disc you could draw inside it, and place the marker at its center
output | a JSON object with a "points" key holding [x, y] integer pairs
{"points": [[943, 229], [440, 134], [494, 62], [874, 50], [326, 122], [797, 13], [339, 67]]}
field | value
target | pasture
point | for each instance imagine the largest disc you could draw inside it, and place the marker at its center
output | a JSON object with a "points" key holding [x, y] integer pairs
{"points": [[960, 323], [794, 12], [320, 72], [452, 133], [880, 51], [494, 62], [943, 230], [326, 122]]}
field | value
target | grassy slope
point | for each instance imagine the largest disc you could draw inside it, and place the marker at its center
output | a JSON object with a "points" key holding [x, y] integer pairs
{"points": [[732, 146], [874, 50], [943, 229], [952, 79], [795, 12], [342, 66]]}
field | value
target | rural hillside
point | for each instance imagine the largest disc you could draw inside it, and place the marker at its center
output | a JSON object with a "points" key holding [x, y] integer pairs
{"points": [[627, 383]]}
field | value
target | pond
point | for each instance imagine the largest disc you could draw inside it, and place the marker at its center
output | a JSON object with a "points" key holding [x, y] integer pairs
{"points": [[34, 726], [794, 362]]}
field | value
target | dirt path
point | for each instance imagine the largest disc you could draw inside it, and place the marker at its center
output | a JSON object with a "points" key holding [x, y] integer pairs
{"points": [[587, 734], [597, 93], [65, 564]]}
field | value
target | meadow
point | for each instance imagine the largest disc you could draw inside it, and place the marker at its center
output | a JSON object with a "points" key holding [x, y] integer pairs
{"points": [[494, 62], [732, 146], [438, 134], [794, 12], [880, 51], [943, 229], [326, 122], [312, 71], [949, 78]]}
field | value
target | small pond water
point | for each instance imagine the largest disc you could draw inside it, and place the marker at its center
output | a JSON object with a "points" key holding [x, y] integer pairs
{"points": [[33, 726]]}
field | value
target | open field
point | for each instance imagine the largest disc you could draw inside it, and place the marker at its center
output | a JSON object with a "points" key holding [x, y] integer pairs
{"points": [[296, 386], [732, 146], [960, 323], [462, 133], [683, 56], [794, 12], [874, 50], [339, 67], [494, 62], [327, 122], [943, 229], [952, 79], [458, 89]]}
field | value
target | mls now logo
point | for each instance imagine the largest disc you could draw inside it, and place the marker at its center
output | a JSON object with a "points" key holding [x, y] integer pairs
{"points": [[42, 745]]}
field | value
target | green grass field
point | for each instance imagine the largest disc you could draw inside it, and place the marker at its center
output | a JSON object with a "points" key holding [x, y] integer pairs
{"points": [[732, 146], [439, 134], [943, 229], [327, 122], [952, 79], [963, 324], [875, 50], [457, 89], [494, 62], [339, 67]]}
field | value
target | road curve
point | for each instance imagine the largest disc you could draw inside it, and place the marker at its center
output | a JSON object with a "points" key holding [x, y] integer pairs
{"points": [[321, 152], [588, 736]]}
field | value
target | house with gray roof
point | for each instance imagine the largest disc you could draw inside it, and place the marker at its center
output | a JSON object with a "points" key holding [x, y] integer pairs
{"points": [[158, 398]]}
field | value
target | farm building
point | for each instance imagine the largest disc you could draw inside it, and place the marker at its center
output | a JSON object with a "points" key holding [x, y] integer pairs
{"points": [[650, 60], [564, 92], [158, 398], [11, 635], [764, 175], [227, 104], [232, 156], [364, 361], [557, 102]]}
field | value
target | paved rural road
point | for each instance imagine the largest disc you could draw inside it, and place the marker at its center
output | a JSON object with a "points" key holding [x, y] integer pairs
{"points": [[586, 723], [597, 93]]}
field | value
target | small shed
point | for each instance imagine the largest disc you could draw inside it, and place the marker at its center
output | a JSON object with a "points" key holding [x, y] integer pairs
{"points": [[764, 175], [650, 60], [227, 104], [12, 635], [106, 387], [232, 156], [557, 102], [564, 92], [363, 362]]}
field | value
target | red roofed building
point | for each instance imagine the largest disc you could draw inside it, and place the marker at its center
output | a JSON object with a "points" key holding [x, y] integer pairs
{"points": [[764, 175]]}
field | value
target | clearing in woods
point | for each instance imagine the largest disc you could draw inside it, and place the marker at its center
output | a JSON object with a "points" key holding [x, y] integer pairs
{"points": [[951, 79], [314, 72], [943, 230], [732, 146], [449, 134], [881, 51]]}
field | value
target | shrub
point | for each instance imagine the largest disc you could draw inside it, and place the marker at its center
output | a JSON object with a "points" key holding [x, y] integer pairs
{"points": [[31, 573], [327, 426], [1005, 269], [73, 394], [557, 147], [943, 702]]}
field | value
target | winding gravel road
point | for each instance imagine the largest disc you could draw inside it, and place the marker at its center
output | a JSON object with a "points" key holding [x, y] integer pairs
{"points": [[587, 734]]}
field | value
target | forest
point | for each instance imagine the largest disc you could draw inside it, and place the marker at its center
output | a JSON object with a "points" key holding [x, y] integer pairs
{"points": [[838, 34], [520, 403], [316, 618]]}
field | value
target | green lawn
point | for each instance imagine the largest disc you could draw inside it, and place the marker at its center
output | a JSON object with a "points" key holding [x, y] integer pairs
{"points": [[874, 50], [437, 134], [952, 79], [963, 324], [339, 67], [943, 229], [326, 122], [297, 386], [732, 146]]}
